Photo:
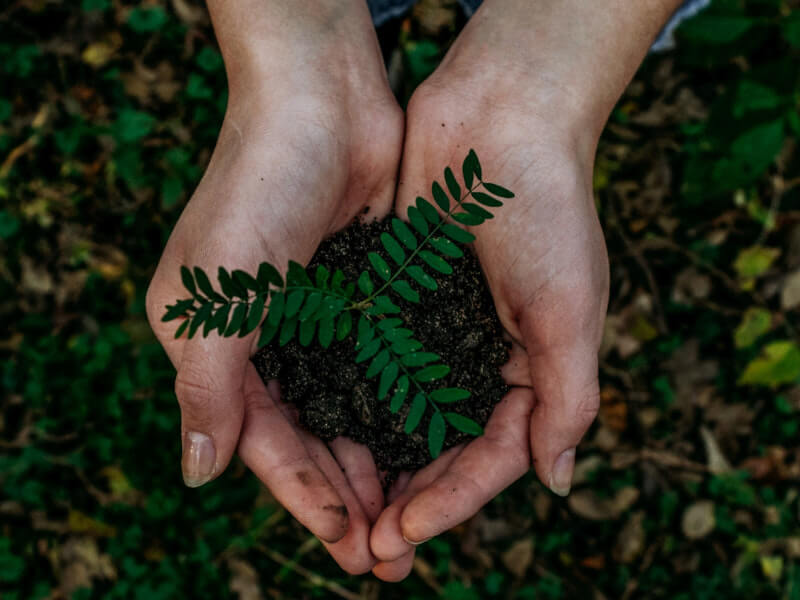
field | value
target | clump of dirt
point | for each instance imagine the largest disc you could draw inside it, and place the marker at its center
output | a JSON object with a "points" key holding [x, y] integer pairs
{"points": [[333, 397]]}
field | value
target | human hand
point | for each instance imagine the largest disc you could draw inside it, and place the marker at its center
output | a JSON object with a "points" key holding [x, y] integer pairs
{"points": [[311, 136], [529, 86]]}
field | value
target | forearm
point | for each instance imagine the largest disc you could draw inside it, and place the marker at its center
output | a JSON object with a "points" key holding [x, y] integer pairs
{"points": [[575, 55], [267, 40]]}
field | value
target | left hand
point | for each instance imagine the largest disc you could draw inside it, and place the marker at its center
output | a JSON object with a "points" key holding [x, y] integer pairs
{"points": [[546, 265]]}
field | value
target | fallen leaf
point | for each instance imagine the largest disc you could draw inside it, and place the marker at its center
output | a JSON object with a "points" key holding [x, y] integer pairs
{"points": [[698, 520], [715, 459], [244, 580], [778, 363], [630, 541], [587, 504], [790, 294], [98, 54], [519, 556], [755, 323], [754, 261]]}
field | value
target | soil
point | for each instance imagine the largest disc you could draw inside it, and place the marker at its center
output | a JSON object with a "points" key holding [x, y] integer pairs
{"points": [[333, 397]]}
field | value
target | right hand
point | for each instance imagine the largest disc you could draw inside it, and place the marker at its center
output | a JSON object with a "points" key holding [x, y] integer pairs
{"points": [[303, 149]]}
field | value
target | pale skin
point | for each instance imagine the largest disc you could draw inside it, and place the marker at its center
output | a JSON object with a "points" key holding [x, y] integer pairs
{"points": [[311, 136]]}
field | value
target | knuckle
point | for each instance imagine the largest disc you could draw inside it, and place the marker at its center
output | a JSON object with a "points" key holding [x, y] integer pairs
{"points": [[589, 405], [195, 391]]}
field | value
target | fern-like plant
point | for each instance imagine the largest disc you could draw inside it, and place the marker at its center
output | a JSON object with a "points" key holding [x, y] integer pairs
{"points": [[327, 307]]}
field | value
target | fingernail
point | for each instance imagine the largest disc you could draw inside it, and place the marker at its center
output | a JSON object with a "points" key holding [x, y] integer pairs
{"points": [[408, 541], [561, 475], [199, 457]]}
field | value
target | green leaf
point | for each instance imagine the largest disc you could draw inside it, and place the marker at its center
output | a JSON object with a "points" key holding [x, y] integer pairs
{"points": [[446, 247], [246, 280], [428, 211], [181, 328], [179, 309], [326, 330], [486, 199], [253, 318], [404, 234], [380, 265], [431, 373], [452, 185], [275, 309], [402, 347], [448, 395], [779, 363], [406, 291], [397, 333], [417, 359], [237, 319], [229, 287], [293, 302], [436, 431], [470, 168], [440, 197], [393, 247], [463, 424], [205, 285], [436, 262], [755, 323], [220, 319], [388, 325], [415, 413], [457, 234], [310, 307], [365, 284], [401, 391], [307, 329], [754, 96], [476, 210], [188, 280], [466, 218], [368, 351], [378, 363], [417, 220], [791, 29], [715, 29], [267, 274], [383, 306], [388, 375], [344, 326], [419, 275], [267, 333], [321, 276], [336, 280], [287, 331], [755, 261], [147, 19], [365, 332], [498, 190], [297, 276]]}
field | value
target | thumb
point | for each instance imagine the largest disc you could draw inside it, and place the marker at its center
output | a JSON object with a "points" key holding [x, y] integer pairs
{"points": [[210, 391], [567, 390]]}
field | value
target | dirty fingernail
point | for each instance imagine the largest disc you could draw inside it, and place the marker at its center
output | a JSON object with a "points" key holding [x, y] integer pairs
{"points": [[561, 475], [408, 541], [199, 457]]}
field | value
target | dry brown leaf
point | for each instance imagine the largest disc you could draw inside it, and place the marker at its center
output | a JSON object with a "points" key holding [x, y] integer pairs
{"points": [[698, 520], [587, 504], [630, 541], [78, 562], [244, 580], [715, 459], [790, 293], [519, 556]]}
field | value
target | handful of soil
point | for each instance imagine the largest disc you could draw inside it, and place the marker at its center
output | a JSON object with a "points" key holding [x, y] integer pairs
{"points": [[331, 392]]}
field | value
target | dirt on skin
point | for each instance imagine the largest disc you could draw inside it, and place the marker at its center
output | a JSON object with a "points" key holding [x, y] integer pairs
{"points": [[333, 397]]}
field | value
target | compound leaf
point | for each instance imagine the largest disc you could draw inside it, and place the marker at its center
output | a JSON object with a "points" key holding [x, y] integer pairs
{"points": [[365, 283], [436, 262], [267, 333], [296, 276], [476, 210], [417, 220], [466, 218], [293, 302], [419, 275], [417, 359], [388, 375], [275, 310], [452, 184], [401, 391], [238, 317], [246, 280], [253, 317], [326, 331], [307, 329], [344, 326], [188, 280], [287, 331], [497, 190], [486, 199], [268, 274], [448, 395], [428, 211], [378, 363], [446, 247], [457, 234], [312, 304], [368, 351]]}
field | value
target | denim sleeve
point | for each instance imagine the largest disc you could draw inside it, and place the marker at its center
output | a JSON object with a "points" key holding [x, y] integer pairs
{"points": [[383, 10]]}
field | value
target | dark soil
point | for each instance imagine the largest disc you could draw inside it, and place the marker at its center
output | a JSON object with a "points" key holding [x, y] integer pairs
{"points": [[458, 321]]}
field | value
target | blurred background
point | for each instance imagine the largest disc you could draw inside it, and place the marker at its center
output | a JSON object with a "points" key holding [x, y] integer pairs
{"points": [[686, 487]]}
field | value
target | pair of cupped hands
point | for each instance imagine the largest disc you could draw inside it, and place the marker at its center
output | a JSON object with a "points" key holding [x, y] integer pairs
{"points": [[309, 142]]}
